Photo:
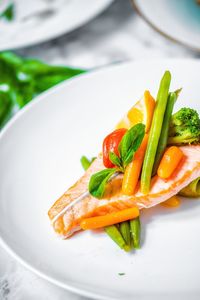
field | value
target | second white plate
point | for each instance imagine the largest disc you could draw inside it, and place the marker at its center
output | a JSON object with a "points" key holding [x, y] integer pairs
{"points": [[38, 21]]}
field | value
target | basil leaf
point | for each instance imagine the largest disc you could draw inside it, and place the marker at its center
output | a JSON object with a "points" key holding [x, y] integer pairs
{"points": [[22, 79], [115, 159], [85, 162], [130, 143], [98, 181]]}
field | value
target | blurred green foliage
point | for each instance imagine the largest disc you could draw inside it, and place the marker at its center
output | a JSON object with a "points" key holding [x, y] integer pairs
{"points": [[8, 13], [23, 79]]}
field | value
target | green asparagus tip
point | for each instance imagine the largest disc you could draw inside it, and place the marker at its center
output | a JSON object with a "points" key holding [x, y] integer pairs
{"points": [[177, 92], [127, 248]]}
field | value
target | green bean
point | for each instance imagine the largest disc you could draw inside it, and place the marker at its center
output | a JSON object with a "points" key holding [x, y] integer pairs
{"points": [[124, 228], [135, 232], [155, 131], [116, 236], [164, 132]]}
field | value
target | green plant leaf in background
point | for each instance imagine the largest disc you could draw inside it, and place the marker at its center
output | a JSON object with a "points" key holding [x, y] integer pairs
{"points": [[23, 79], [8, 13]]}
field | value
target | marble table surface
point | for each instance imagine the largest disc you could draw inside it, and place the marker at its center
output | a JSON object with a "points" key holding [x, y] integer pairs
{"points": [[117, 35]]}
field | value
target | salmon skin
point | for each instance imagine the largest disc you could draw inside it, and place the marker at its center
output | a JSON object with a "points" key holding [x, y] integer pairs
{"points": [[114, 200]]}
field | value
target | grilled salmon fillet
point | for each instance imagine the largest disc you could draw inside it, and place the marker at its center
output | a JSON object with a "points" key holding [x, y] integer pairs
{"points": [[114, 200]]}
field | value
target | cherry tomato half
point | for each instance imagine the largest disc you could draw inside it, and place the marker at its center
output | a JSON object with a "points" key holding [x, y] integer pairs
{"points": [[110, 144]]}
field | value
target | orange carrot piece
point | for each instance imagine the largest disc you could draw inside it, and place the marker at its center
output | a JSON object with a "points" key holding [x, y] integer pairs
{"points": [[132, 172], [169, 162], [171, 202], [110, 219]]}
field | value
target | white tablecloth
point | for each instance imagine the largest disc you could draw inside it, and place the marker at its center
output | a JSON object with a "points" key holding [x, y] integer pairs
{"points": [[116, 35]]}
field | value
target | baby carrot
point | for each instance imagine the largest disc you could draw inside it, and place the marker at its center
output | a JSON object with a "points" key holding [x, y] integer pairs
{"points": [[164, 132], [132, 171], [110, 219], [171, 202], [169, 162]]}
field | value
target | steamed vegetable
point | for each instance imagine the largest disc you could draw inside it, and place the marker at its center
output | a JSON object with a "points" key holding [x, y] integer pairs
{"points": [[124, 228], [132, 171], [184, 127], [110, 144], [127, 147], [135, 232], [192, 190], [110, 219], [165, 131], [171, 202], [155, 132], [170, 161], [116, 236]]}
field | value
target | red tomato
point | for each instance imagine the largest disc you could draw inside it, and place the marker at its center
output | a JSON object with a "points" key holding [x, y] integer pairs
{"points": [[110, 144]]}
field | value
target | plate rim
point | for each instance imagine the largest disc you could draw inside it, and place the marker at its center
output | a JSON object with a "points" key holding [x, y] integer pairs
{"points": [[157, 29], [28, 107], [62, 32]]}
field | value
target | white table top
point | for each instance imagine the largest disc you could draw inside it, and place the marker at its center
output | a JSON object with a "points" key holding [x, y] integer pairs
{"points": [[115, 36]]}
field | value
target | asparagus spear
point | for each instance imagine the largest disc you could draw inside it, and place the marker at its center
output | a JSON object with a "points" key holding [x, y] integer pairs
{"points": [[155, 131]]}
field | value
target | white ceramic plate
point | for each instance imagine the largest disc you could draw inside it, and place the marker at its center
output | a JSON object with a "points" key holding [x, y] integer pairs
{"points": [[40, 151], [177, 20], [62, 16]]}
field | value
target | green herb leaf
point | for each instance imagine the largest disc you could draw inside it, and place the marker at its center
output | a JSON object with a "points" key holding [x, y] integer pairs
{"points": [[115, 159], [85, 162], [23, 79], [98, 181], [130, 143], [8, 13]]}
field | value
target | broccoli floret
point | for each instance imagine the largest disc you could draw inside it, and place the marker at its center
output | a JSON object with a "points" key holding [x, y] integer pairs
{"points": [[184, 127]]}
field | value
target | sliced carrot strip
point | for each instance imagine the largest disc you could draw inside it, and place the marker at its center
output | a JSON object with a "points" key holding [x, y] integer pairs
{"points": [[110, 219], [170, 160], [171, 202], [132, 172]]}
